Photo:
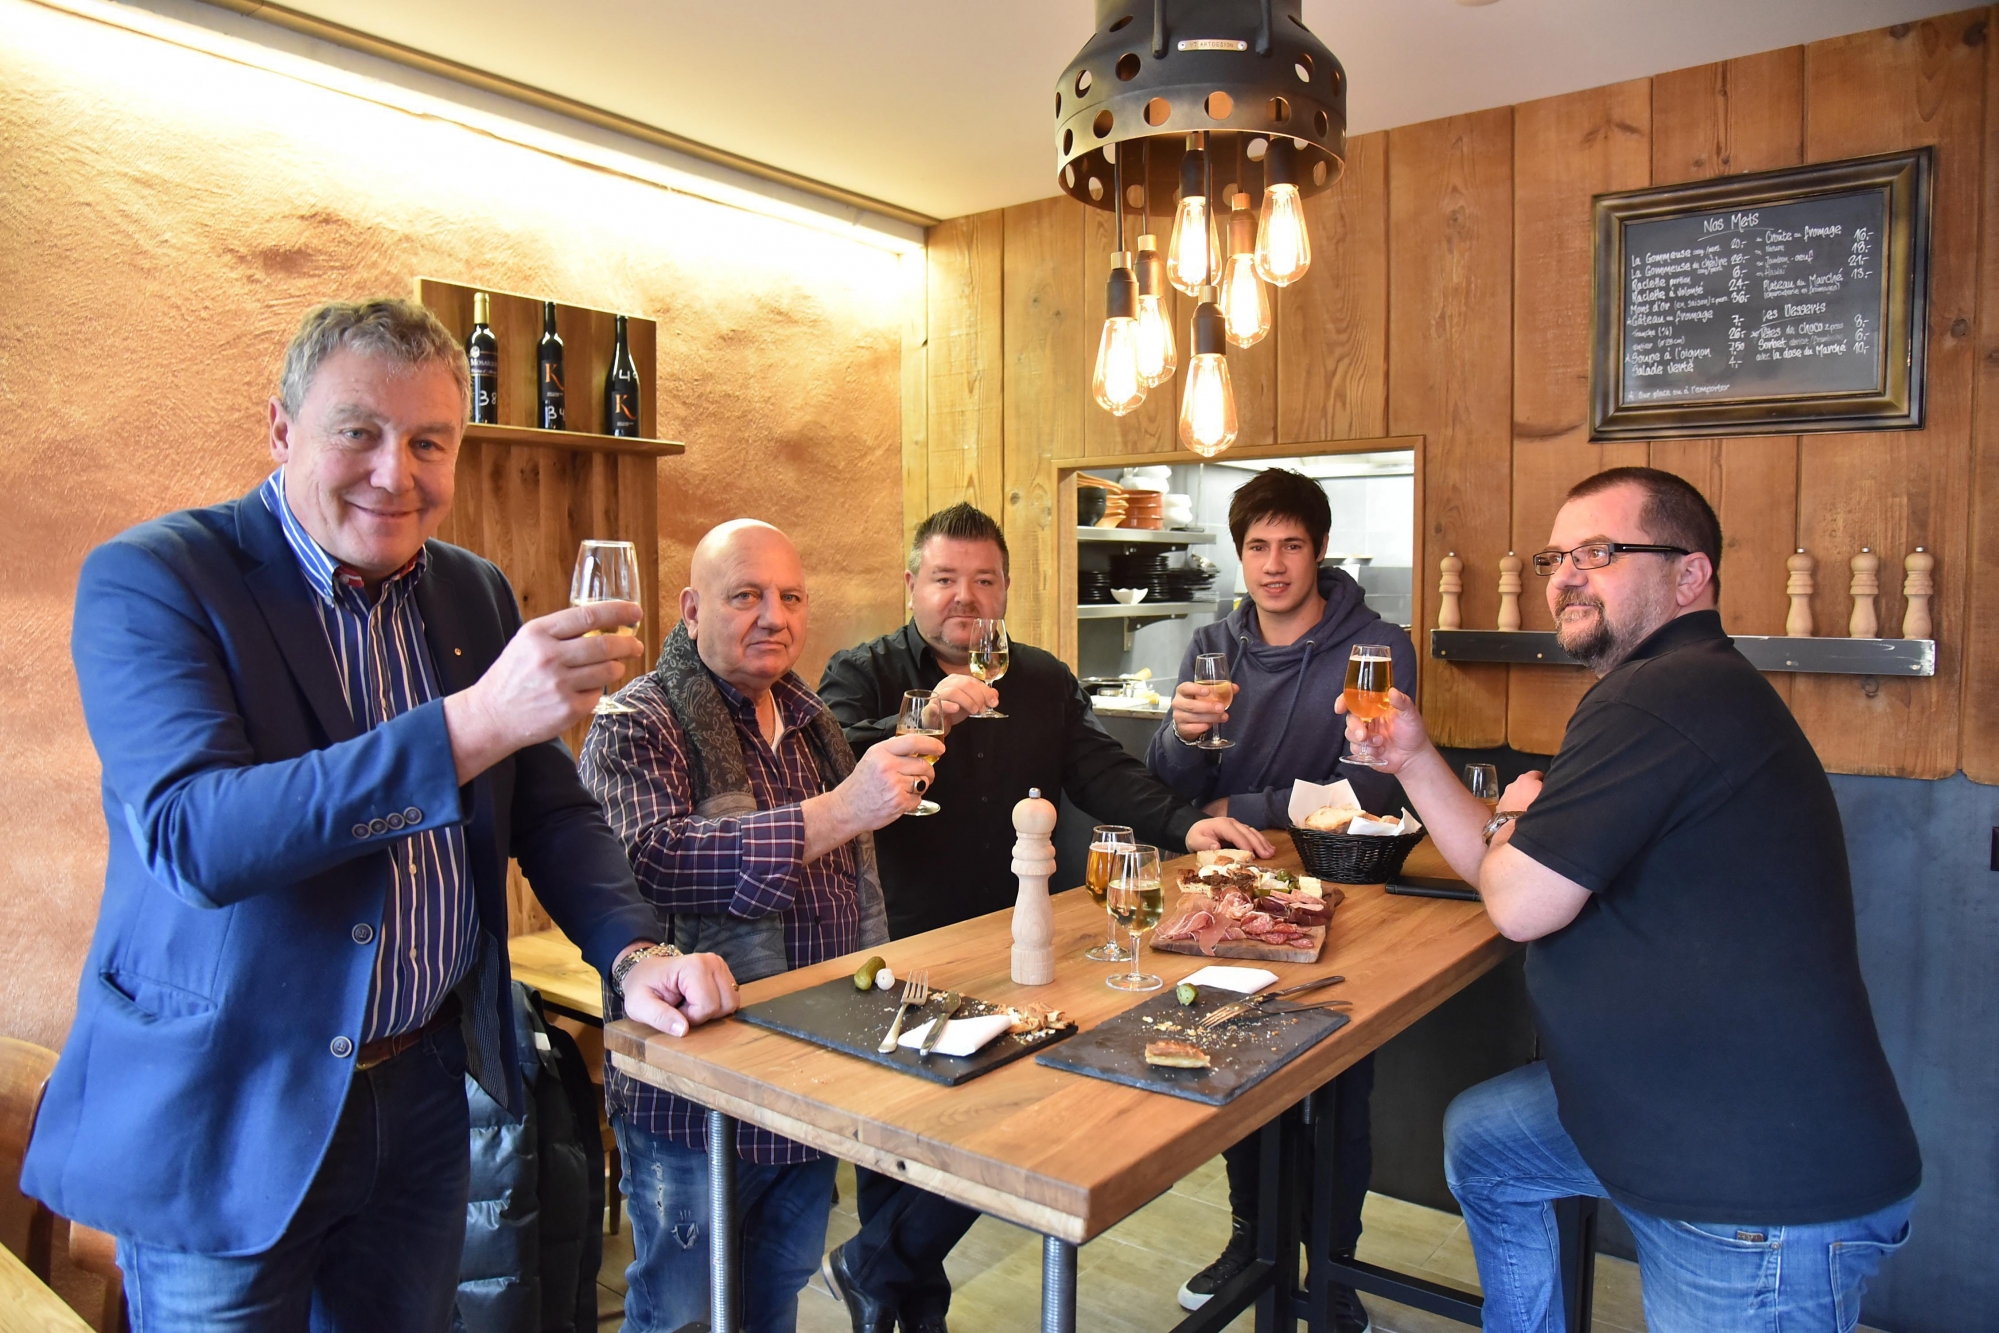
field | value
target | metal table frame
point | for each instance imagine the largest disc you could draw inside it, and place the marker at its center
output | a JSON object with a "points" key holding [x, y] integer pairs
{"points": [[1270, 1283]]}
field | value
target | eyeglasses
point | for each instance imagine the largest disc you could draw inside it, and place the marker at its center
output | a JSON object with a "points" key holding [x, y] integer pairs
{"points": [[1596, 555]]}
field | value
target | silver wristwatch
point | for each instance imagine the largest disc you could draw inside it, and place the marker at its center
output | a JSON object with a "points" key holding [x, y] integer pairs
{"points": [[1500, 821], [622, 968]]}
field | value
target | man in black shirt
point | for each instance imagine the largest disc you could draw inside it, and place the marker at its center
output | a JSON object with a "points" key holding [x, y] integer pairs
{"points": [[1711, 1061], [958, 863]]}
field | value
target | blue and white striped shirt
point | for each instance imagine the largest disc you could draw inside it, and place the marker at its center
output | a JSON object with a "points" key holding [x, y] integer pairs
{"points": [[426, 942]]}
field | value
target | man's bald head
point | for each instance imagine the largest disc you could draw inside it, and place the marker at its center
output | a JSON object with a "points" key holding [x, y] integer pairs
{"points": [[745, 605]]}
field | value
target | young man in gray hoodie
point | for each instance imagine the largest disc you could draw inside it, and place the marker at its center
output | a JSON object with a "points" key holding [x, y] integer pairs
{"points": [[1287, 648]]}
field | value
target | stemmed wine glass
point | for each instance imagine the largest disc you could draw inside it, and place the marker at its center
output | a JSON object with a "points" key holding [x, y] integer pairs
{"points": [[915, 720], [1212, 670], [1135, 901], [988, 656], [1482, 781], [1370, 676], [606, 571], [1106, 840]]}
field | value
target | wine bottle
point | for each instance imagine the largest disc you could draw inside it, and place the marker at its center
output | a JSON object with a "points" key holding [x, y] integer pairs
{"points": [[553, 413], [621, 389], [482, 351]]}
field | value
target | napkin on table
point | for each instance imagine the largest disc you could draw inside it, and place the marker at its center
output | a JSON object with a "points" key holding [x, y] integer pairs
{"points": [[1242, 980], [962, 1036]]}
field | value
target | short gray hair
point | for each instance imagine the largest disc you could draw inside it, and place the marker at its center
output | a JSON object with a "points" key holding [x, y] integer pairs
{"points": [[403, 331]]}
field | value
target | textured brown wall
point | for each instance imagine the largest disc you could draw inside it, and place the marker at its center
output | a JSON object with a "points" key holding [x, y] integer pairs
{"points": [[167, 215]]}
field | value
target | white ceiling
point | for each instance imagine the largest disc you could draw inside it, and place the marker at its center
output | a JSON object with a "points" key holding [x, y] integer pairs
{"points": [[942, 105]]}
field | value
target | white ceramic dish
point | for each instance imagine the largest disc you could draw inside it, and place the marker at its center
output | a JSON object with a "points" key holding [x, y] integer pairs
{"points": [[1129, 596]]}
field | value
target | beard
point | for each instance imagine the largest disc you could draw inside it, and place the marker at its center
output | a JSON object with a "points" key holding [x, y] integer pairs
{"points": [[1602, 641]]}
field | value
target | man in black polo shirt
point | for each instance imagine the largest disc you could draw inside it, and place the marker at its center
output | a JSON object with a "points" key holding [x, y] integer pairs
{"points": [[1711, 1061], [958, 863]]}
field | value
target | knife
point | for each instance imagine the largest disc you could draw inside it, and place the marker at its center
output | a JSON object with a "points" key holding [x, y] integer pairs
{"points": [[949, 1005]]}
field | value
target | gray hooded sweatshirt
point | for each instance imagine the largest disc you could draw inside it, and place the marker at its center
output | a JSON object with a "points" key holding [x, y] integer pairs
{"points": [[1282, 720]]}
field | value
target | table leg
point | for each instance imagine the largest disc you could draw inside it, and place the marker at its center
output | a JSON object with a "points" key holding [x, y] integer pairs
{"points": [[1325, 1138], [1058, 1286], [723, 1301], [1277, 1223], [1575, 1231]]}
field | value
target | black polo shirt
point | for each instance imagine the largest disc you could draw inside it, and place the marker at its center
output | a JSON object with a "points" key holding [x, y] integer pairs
{"points": [[1704, 1020], [958, 863]]}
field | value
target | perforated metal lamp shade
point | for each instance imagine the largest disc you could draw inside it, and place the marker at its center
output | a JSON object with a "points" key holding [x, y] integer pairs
{"points": [[1241, 71]]}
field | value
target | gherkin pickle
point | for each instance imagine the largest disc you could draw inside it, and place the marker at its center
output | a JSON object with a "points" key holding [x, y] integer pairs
{"points": [[864, 979], [1186, 992]]}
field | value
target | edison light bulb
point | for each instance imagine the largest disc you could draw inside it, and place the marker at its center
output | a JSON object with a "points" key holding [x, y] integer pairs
{"points": [[1194, 255], [1158, 358], [1117, 384], [1283, 249], [1245, 304], [1207, 408]]}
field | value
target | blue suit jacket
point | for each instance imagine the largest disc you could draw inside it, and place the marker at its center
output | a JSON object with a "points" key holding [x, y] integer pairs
{"points": [[224, 988]]}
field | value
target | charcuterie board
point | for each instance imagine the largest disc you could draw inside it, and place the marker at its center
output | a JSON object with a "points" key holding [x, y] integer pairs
{"points": [[1265, 953]]}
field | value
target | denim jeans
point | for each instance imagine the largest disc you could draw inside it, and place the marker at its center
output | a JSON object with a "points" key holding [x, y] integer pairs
{"points": [[1508, 1158], [373, 1247], [781, 1214]]}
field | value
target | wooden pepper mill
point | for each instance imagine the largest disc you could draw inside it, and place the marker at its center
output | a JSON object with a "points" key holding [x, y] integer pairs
{"points": [[1509, 592], [1865, 622], [1918, 586], [1033, 914], [1449, 588], [1798, 625]]}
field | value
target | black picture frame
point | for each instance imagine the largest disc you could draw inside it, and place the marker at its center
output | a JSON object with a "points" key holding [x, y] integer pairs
{"points": [[1885, 394]]}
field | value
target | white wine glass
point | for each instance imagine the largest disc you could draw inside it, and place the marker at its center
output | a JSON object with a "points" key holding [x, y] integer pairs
{"points": [[1135, 901], [606, 571], [989, 656], [1212, 671], [917, 719], [1370, 676], [1106, 840], [1482, 781]]}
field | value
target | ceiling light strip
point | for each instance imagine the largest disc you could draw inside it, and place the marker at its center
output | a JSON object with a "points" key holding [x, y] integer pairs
{"points": [[437, 66]]}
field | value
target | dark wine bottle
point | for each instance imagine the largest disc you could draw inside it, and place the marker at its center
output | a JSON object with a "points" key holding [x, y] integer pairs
{"points": [[482, 350], [621, 389], [553, 413]]}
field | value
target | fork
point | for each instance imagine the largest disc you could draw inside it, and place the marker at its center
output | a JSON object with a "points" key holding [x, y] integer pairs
{"points": [[1237, 1008], [915, 992]]}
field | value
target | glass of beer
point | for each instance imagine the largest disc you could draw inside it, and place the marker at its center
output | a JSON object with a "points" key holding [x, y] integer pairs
{"points": [[1212, 670], [1106, 840], [606, 572], [989, 653], [917, 719], [1482, 781], [1370, 675], [1135, 901]]}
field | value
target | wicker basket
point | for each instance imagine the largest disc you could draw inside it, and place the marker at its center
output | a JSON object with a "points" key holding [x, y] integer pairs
{"points": [[1351, 858]]}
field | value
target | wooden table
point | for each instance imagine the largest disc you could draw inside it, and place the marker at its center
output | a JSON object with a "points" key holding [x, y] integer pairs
{"points": [[1065, 1155], [547, 961], [28, 1306]]}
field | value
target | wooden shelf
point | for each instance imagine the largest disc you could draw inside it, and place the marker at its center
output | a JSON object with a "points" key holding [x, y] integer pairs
{"points": [[1144, 537], [1826, 656], [1146, 610], [487, 433]]}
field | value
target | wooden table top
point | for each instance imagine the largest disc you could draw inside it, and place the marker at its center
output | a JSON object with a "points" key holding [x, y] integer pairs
{"points": [[547, 961], [1060, 1153], [28, 1306]]}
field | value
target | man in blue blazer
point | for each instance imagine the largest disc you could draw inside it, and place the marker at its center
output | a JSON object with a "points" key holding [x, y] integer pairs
{"points": [[322, 735]]}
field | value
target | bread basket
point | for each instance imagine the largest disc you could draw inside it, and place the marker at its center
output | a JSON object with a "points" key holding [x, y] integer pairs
{"points": [[1353, 858]]}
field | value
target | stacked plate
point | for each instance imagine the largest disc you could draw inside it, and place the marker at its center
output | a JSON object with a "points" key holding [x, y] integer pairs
{"points": [[1093, 587], [1145, 510], [1179, 510], [1141, 569], [1190, 585]]}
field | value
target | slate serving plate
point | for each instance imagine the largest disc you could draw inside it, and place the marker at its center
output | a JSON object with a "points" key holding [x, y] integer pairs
{"points": [[835, 1015], [1244, 1053]]}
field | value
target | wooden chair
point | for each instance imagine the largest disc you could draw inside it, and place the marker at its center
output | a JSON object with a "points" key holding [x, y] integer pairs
{"points": [[97, 1254]]}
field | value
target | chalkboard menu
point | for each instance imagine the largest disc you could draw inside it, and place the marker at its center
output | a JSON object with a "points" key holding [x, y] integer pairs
{"points": [[1785, 301]]}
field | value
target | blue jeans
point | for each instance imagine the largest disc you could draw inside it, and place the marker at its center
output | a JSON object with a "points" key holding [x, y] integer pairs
{"points": [[373, 1247], [781, 1214], [1508, 1158]]}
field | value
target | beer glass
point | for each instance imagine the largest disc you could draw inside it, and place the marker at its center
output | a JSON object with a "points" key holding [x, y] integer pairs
{"points": [[1370, 675], [606, 572], [1105, 840], [915, 720], [1135, 901]]}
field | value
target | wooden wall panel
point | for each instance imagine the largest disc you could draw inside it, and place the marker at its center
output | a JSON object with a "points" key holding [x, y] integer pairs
{"points": [[1565, 149], [966, 360], [1876, 92], [1151, 426], [1332, 371], [1449, 366], [1046, 388], [1979, 753], [915, 392]]}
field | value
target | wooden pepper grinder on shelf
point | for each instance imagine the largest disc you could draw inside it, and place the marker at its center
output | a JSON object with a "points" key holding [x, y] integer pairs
{"points": [[1509, 592], [1918, 585], [1798, 625], [1033, 914], [1450, 586], [1865, 623]]}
